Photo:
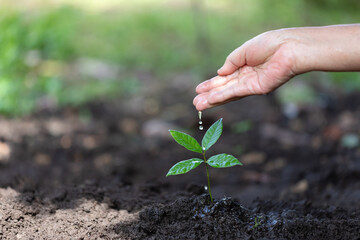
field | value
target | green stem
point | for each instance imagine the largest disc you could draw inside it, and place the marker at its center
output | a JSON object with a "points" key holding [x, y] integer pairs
{"points": [[208, 178]]}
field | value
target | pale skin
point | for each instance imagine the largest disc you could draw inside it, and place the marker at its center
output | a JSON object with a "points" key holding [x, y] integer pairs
{"points": [[266, 62]]}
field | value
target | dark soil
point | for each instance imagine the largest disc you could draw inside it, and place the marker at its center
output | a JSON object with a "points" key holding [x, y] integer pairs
{"points": [[99, 171], [197, 218]]}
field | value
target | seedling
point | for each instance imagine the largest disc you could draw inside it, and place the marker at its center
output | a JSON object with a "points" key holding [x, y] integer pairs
{"points": [[257, 222], [218, 161]]}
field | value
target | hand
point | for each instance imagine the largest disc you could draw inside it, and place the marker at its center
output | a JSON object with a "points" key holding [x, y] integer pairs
{"points": [[257, 67], [267, 61]]}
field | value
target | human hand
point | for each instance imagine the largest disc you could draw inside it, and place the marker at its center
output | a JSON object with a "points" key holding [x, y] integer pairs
{"points": [[267, 61], [257, 67]]}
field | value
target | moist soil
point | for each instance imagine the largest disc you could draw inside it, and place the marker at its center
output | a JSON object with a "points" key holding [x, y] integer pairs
{"points": [[98, 171]]}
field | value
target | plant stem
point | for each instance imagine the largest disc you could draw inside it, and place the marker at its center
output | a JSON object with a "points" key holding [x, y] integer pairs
{"points": [[208, 177]]}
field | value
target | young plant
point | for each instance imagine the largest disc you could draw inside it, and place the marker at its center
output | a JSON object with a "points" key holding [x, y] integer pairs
{"points": [[218, 161]]}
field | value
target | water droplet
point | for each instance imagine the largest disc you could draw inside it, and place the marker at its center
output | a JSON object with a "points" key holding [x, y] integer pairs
{"points": [[200, 122], [205, 187], [204, 148]]}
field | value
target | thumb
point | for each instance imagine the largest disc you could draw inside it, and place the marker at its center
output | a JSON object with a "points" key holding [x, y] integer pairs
{"points": [[234, 61]]}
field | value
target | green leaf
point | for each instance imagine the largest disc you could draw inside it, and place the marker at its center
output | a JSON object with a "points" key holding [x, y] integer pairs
{"points": [[212, 134], [184, 166], [186, 141], [223, 160]]}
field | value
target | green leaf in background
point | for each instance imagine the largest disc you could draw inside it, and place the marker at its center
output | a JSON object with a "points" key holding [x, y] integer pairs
{"points": [[184, 166], [186, 141], [212, 134], [223, 160]]}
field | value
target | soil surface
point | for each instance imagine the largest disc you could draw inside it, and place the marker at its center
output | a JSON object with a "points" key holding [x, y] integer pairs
{"points": [[98, 171]]}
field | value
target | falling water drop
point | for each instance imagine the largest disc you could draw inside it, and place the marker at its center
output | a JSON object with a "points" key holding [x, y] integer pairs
{"points": [[200, 122]]}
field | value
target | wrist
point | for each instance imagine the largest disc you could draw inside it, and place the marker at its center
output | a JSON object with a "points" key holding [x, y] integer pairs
{"points": [[302, 49]]}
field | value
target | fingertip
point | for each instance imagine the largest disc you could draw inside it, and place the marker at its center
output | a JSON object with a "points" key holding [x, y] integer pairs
{"points": [[195, 101], [202, 105], [198, 88], [232, 63], [198, 108], [219, 71], [202, 87], [225, 70], [199, 98]]}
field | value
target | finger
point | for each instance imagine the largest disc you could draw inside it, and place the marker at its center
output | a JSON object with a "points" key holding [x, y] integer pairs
{"points": [[209, 84], [199, 98], [201, 106], [235, 60], [207, 94], [202, 103], [222, 94], [236, 88], [215, 82]]}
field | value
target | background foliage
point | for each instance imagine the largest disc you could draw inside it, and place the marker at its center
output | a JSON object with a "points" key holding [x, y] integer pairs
{"points": [[66, 53]]}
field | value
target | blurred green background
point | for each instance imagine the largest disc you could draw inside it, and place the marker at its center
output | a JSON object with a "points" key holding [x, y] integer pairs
{"points": [[62, 52]]}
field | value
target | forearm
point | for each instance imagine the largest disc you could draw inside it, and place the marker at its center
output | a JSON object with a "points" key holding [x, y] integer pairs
{"points": [[330, 48]]}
